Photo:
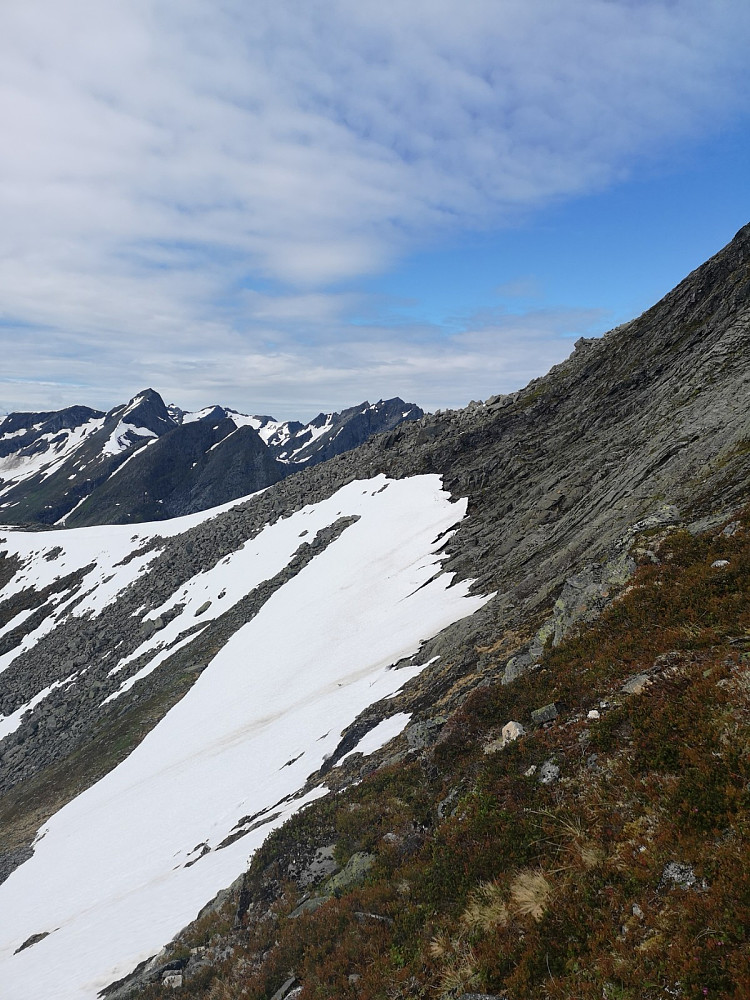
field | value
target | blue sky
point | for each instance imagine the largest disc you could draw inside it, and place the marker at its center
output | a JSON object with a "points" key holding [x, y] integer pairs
{"points": [[289, 207]]}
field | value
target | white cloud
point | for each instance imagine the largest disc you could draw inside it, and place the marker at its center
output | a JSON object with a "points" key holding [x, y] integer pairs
{"points": [[333, 366], [163, 162]]}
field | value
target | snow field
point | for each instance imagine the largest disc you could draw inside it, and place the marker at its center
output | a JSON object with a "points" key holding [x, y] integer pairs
{"points": [[108, 877], [15, 468]]}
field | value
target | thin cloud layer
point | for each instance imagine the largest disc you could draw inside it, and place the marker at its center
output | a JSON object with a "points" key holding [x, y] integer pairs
{"points": [[330, 368], [190, 182]]}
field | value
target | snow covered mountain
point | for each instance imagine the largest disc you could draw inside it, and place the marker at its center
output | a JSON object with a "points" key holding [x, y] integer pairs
{"points": [[324, 436], [172, 691], [145, 461]]}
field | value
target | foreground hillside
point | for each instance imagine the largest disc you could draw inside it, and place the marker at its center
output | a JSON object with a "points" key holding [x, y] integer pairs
{"points": [[602, 852], [172, 692]]}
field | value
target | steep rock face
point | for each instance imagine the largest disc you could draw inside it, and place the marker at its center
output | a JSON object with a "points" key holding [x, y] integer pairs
{"points": [[645, 428], [300, 445], [331, 434], [239, 465], [146, 412], [652, 416], [193, 467]]}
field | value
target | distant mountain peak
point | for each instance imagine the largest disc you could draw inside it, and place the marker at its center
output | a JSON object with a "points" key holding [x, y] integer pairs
{"points": [[56, 467]]}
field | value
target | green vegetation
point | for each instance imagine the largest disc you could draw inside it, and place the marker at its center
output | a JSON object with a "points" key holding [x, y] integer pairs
{"points": [[627, 877]]}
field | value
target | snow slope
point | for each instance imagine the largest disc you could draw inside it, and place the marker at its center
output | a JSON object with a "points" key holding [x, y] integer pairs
{"points": [[121, 437], [111, 879], [45, 455], [97, 549]]}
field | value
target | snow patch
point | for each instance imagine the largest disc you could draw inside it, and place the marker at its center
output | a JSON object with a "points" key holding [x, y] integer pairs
{"points": [[381, 734], [191, 418], [119, 441]]}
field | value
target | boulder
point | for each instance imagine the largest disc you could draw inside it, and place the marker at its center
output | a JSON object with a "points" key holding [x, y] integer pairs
{"points": [[309, 906], [548, 773], [285, 990], [353, 872], [548, 713], [511, 731], [636, 684]]}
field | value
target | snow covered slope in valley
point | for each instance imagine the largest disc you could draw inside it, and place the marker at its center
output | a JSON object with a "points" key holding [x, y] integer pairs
{"points": [[93, 552], [120, 869]]}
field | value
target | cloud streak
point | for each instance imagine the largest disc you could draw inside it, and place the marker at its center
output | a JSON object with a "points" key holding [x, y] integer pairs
{"points": [[177, 175], [289, 375]]}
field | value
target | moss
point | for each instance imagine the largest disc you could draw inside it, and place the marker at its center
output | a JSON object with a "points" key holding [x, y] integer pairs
{"points": [[530, 398], [741, 448]]}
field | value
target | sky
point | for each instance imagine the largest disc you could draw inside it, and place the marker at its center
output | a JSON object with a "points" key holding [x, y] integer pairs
{"points": [[294, 205]]}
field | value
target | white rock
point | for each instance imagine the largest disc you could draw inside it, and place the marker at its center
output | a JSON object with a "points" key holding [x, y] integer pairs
{"points": [[593, 714], [548, 773], [511, 731], [719, 563]]}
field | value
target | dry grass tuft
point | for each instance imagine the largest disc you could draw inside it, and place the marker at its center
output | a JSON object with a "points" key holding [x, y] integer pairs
{"points": [[530, 892], [459, 962], [221, 990], [461, 975], [486, 908], [440, 946], [577, 846], [591, 856]]}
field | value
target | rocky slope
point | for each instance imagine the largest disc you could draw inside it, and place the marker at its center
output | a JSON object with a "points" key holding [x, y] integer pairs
{"points": [[60, 467], [568, 483]]}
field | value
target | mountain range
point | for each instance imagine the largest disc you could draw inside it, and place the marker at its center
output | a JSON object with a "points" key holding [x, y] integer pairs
{"points": [[146, 461], [460, 711]]}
